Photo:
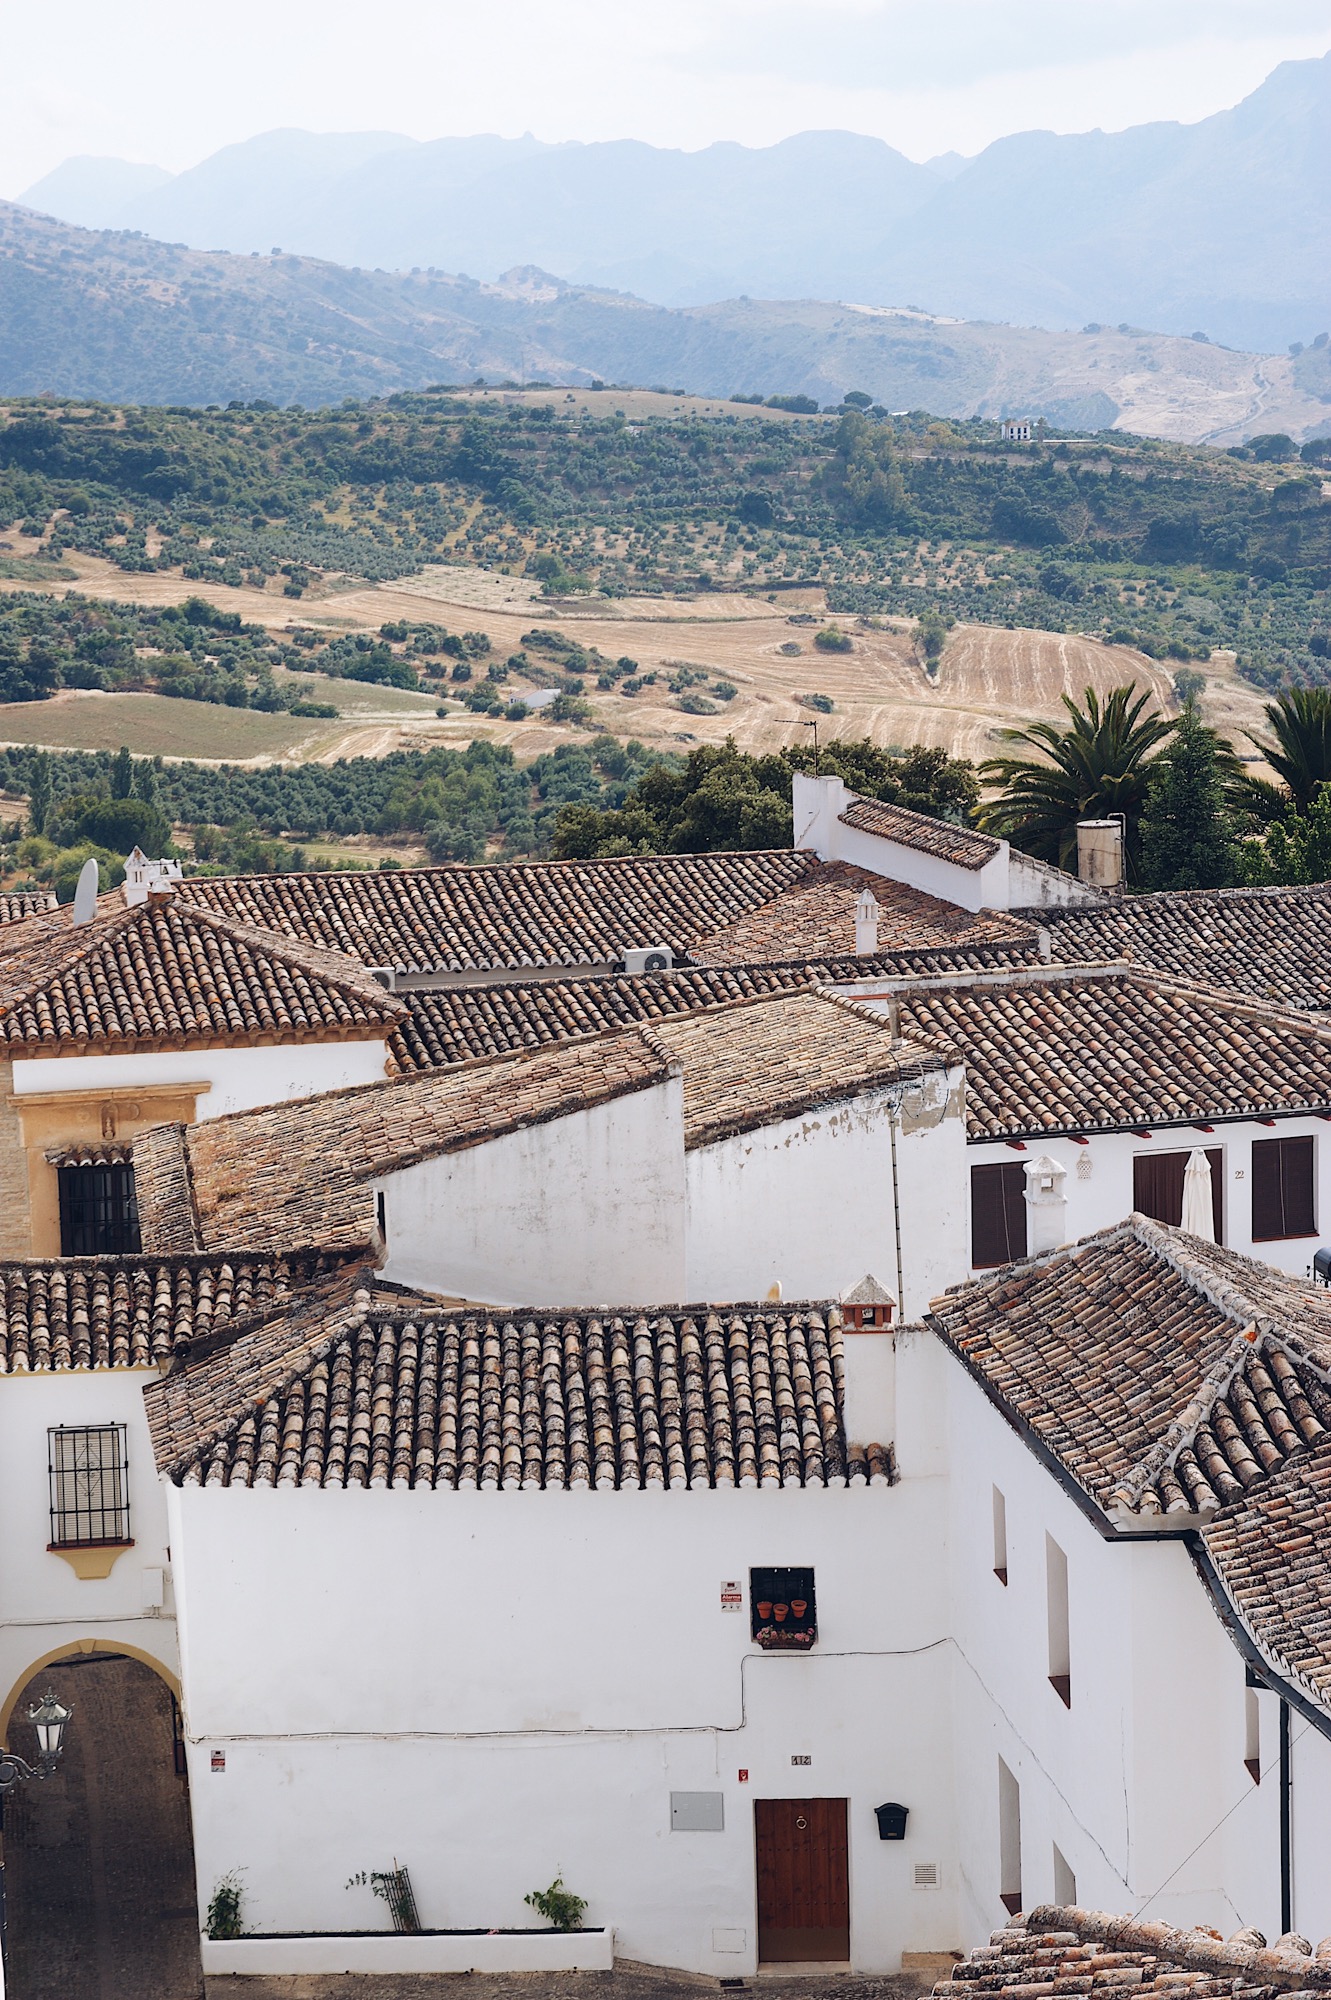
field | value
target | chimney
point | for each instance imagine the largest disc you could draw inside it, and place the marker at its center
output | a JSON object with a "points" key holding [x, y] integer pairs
{"points": [[868, 1361], [866, 924], [1100, 853], [1046, 1205]]}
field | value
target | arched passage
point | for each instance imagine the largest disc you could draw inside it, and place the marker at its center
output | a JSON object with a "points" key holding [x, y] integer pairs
{"points": [[99, 1859]]}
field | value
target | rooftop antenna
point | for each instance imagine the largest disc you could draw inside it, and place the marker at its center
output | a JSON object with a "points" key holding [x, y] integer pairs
{"points": [[812, 723], [85, 896]]}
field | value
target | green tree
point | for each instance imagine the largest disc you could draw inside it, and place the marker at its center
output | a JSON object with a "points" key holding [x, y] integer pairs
{"points": [[1097, 766], [1187, 835], [122, 773], [1301, 754], [39, 791]]}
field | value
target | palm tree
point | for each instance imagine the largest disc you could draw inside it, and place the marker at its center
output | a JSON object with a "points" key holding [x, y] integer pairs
{"points": [[1301, 754], [1097, 767]]}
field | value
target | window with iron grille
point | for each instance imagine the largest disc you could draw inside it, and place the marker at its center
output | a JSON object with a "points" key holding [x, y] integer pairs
{"points": [[99, 1215], [89, 1485]]}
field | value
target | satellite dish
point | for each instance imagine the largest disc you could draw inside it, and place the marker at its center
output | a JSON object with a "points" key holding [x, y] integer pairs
{"points": [[85, 896]]}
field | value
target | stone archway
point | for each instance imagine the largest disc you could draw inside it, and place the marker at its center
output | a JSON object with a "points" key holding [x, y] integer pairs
{"points": [[99, 1860]]}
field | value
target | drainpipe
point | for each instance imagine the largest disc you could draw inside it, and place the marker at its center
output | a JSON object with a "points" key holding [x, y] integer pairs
{"points": [[896, 1204], [1286, 1823]]}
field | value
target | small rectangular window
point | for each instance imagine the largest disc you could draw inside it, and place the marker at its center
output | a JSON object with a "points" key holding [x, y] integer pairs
{"points": [[89, 1473], [99, 1216], [998, 1214], [1282, 1189], [1065, 1883], [1252, 1735], [783, 1609], [1056, 1578], [1000, 1536], [1009, 1839]]}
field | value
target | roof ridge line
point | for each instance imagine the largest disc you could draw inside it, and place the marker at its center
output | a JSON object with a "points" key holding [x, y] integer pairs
{"points": [[322, 958], [253, 1400]]}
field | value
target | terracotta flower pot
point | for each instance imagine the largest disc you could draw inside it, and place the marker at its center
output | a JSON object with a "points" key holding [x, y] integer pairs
{"points": [[779, 1612], [799, 1605], [764, 1610]]}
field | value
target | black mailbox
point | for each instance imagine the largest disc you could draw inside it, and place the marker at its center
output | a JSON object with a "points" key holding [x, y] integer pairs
{"points": [[891, 1821]]}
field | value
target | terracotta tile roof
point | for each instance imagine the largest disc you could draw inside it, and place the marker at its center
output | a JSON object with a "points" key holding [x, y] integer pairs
{"points": [[517, 914], [1270, 1551], [761, 1061], [1072, 1951], [14, 909], [166, 974], [1274, 943], [129, 1312], [1168, 1377], [447, 1025], [815, 918], [1099, 1049], [301, 1173], [960, 845], [343, 1391], [162, 1192]]}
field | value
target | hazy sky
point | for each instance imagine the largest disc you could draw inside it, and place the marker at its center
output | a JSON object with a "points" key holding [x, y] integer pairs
{"points": [[169, 82]]}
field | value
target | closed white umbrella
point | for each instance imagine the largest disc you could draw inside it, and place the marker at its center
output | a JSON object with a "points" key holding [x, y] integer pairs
{"points": [[1198, 1212]]}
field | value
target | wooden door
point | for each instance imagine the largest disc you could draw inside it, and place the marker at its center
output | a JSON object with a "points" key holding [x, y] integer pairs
{"points": [[1157, 1186], [803, 1881]]}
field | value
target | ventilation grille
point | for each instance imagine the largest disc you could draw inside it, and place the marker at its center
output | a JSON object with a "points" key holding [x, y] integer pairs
{"points": [[927, 1874]]}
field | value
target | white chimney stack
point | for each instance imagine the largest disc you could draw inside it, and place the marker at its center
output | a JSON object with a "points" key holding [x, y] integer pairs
{"points": [[145, 878], [1046, 1205], [867, 913], [868, 1361]]}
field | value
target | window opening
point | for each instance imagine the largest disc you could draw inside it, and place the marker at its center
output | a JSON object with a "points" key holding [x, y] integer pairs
{"points": [[99, 1215], [1282, 1189], [998, 1214], [782, 1609], [1157, 1186], [1009, 1839], [89, 1485], [1252, 1735], [1065, 1882], [1000, 1536], [1056, 1577]]}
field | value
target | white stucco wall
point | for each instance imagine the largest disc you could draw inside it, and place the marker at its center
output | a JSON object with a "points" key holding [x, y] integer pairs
{"points": [[44, 1606], [808, 1203], [583, 1210], [1097, 1199], [508, 1684], [818, 805], [238, 1079], [1141, 1783]]}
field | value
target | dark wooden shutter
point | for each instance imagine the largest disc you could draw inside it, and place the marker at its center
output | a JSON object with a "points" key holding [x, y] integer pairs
{"points": [[1157, 1187], [998, 1214], [1282, 1189]]}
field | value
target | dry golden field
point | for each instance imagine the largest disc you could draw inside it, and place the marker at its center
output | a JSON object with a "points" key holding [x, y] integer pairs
{"points": [[987, 678]]}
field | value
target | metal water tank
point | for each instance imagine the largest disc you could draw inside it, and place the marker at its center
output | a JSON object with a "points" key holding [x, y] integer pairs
{"points": [[1100, 852]]}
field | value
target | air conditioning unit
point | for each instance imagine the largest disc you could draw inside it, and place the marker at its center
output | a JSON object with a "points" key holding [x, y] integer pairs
{"points": [[384, 975], [652, 958]]}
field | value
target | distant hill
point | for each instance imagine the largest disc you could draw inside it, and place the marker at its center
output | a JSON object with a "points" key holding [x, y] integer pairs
{"points": [[1222, 227], [122, 318]]}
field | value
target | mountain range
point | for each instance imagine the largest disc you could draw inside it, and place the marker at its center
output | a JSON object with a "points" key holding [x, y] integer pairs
{"points": [[1221, 227], [123, 318]]}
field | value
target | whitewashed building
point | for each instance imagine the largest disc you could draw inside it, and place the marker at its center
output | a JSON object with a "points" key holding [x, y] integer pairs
{"points": [[514, 1579]]}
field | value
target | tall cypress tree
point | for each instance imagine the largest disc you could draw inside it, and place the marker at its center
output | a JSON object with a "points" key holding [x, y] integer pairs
{"points": [[1187, 836]]}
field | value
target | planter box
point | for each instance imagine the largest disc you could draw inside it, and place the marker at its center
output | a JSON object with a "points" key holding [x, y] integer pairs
{"points": [[426, 1951]]}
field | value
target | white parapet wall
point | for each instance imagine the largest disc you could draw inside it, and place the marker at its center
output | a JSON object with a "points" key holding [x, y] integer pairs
{"points": [[399, 1953]]}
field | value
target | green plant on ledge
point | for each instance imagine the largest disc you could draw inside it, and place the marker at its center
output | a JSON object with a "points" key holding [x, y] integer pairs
{"points": [[224, 1911], [393, 1886], [562, 1910]]}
